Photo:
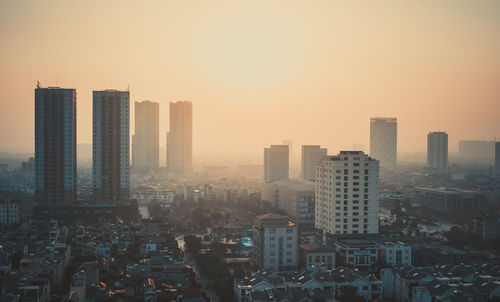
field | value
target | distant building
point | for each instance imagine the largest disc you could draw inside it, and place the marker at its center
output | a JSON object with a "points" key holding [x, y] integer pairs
{"points": [[311, 156], [497, 158], [276, 163], [395, 253], [55, 145], [357, 253], [487, 227], [477, 150], [275, 242], [145, 142], [347, 195], [384, 140], [437, 151], [10, 212], [28, 166], [316, 256], [180, 138], [296, 198], [451, 200], [111, 159]]}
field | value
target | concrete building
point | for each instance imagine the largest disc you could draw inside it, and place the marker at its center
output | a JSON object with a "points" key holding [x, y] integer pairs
{"points": [[358, 253], [451, 200], [311, 156], [296, 198], [384, 140], [477, 151], [316, 256], [275, 240], [347, 195], [111, 159], [145, 142], [10, 212], [276, 163], [180, 138], [395, 253], [497, 158], [437, 151], [55, 145]]}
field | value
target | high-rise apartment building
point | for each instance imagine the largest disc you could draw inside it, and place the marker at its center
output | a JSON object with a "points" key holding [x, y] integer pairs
{"points": [[347, 195], [145, 142], [384, 140], [55, 145], [437, 151], [497, 158], [275, 242], [311, 155], [276, 163], [111, 159], [180, 138]]}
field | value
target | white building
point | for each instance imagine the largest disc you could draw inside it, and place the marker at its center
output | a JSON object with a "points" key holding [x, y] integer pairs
{"points": [[437, 151], [311, 155], [275, 242], [276, 163], [111, 145], [10, 211], [384, 140], [347, 195]]}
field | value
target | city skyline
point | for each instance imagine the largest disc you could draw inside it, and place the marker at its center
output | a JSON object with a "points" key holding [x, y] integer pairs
{"points": [[229, 90]]}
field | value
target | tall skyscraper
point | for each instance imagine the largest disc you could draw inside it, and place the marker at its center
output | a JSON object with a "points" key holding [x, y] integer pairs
{"points": [[347, 195], [497, 158], [437, 151], [384, 140], [311, 156], [180, 138], [276, 163], [55, 145], [145, 142], [111, 167]]}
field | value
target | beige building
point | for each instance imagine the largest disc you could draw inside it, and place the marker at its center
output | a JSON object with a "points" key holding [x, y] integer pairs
{"points": [[384, 140], [347, 195], [145, 142], [180, 138], [311, 156], [276, 163]]}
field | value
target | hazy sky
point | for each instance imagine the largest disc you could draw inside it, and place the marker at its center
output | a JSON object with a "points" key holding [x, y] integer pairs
{"points": [[259, 72]]}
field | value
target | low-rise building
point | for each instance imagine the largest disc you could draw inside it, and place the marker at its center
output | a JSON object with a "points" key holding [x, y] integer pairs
{"points": [[451, 200], [275, 242], [315, 256], [357, 253], [10, 211], [395, 253]]}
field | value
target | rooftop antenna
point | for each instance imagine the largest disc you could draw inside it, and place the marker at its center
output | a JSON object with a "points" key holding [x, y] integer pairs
{"points": [[128, 87], [37, 84]]}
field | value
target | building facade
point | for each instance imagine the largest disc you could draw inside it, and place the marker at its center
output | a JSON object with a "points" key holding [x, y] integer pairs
{"points": [[10, 212], [276, 163], [111, 158], [311, 156], [384, 140], [347, 195], [437, 151], [145, 142], [180, 138], [497, 158], [275, 242], [55, 145], [395, 253]]}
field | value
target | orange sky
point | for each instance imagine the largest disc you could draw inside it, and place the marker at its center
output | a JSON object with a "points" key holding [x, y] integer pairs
{"points": [[259, 72]]}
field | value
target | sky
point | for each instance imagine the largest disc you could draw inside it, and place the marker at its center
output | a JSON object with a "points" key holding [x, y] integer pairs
{"points": [[259, 72]]}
